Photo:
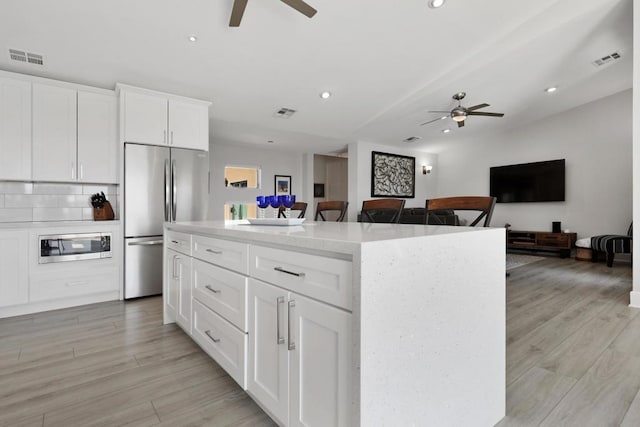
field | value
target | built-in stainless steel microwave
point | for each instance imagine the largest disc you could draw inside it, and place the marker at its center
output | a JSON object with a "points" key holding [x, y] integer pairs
{"points": [[74, 247]]}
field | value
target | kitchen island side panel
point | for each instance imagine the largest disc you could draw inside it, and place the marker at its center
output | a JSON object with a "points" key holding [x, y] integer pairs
{"points": [[432, 338]]}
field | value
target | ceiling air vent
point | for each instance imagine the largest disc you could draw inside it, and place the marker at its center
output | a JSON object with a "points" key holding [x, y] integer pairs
{"points": [[34, 58], [411, 139], [18, 55], [285, 113], [607, 59], [22, 56]]}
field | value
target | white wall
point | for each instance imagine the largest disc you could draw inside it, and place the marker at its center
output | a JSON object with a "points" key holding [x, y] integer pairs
{"points": [[270, 162], [596, 141], [360, 174], [635, 295]]}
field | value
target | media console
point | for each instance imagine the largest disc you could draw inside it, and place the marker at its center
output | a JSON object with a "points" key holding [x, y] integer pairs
{"points": [[541, 241]]}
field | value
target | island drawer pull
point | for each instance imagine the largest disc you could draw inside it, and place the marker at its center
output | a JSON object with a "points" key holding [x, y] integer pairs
{"points": [[215, 291], [215, 340], [213, 251], [292, 345], [176, 242], [282, 270], [279, 339]]}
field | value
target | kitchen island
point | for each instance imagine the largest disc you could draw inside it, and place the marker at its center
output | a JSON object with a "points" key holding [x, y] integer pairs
{"points": [[347, 324]]}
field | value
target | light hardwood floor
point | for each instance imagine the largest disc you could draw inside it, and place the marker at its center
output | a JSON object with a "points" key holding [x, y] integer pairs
{"points": [[573, 358]]}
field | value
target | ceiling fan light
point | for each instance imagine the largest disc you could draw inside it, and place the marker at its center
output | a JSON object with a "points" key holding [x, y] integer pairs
{"points": [[459, 118]]}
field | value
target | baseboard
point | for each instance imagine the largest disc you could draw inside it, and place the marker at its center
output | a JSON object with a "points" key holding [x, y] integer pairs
{"points": [[634, 299], [37, 307]]}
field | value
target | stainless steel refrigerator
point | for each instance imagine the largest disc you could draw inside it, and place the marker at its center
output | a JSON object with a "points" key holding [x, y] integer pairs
{"points": [[160, 184]]}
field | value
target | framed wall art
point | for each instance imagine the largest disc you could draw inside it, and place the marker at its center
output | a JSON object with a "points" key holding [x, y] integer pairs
{"points": [[282, 184], [392, 175]]}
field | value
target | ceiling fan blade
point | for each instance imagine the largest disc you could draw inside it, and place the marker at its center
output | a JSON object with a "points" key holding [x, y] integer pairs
{"points": [[237, 12], [439, 111], [461, 124], [477, 107], [431, 121], [485, 114], [301, 7]]}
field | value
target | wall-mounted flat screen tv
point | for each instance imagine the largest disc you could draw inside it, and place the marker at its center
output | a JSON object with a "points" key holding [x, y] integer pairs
{"points": [[528, 182]]}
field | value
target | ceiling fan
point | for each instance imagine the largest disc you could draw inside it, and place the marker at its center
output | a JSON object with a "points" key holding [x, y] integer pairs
{"points": [[240, 5], [460, 113]]}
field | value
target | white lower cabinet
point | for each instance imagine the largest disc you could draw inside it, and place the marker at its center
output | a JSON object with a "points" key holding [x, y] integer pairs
{"points": [[46, 286], [278, 321], [14, 278], [221, 340], [178, 288], [268, 357], [299, 359]]}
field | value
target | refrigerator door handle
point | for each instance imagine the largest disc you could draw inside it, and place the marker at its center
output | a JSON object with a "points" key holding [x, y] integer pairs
{"points": [[174, 195], [167, 192]]}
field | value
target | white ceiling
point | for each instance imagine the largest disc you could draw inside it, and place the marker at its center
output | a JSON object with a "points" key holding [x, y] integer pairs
{"points": [[386, 62]]}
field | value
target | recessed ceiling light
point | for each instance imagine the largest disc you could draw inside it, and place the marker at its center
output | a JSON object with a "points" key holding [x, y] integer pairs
{"points": [[551, 89], [434, 4], [193, 39], [325, 95], [446, 130], [443, 117]]}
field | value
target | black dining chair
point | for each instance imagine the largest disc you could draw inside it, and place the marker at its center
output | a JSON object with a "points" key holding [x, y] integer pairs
{"points": [[382, 210], [297, 206], [338, 207]]}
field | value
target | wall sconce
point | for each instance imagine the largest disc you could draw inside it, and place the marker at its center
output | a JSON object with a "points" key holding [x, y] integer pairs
{"points": [[426, 169]]}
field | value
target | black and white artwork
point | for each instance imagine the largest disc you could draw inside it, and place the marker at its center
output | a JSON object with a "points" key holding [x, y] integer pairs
{"points": [[392, 175]]}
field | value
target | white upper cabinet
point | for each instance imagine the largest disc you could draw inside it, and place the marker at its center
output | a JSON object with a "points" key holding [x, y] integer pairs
{"points": [[15, 129], [162, 119], [188, 125], [145, 118], [54, 133], [97, 137]]}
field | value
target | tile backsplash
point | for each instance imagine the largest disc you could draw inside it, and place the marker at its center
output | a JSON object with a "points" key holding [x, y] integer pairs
{"points": [[27, 201]]}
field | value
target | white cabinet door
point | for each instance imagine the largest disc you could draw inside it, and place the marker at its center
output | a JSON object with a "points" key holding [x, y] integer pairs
{"points": [[268, 366], [14, 254], [54, 133], [177, 292], [145, 118], [320, 375], [188, 125], [15, 129], [183, 307], [171, 283], [97, 138]]}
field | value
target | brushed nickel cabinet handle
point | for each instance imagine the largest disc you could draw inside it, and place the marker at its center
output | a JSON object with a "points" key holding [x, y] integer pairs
{"points": [[214, 339], [282, 270], [279, 339], [292, 345], [175, 259], [213, 251], [215, 291]]}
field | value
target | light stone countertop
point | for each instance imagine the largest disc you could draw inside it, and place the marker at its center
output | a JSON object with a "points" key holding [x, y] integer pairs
{"points": [[341, 237]]}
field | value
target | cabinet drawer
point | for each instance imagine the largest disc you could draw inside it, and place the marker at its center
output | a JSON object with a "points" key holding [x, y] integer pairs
{"points": [[222, 291], [227, 254], [48, 286], [326, 279], [220, 340], [180, 242]]}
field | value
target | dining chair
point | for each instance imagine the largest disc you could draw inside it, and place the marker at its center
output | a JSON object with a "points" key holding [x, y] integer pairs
{"points": [[339, 207], [382, 210], [297, 206], [482, 204]]}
